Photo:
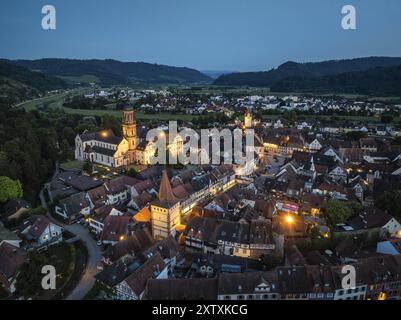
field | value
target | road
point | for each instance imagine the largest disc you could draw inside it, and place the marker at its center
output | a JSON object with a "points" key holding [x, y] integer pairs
{"points": [[94, 254], [88, 278], [94, 257]]}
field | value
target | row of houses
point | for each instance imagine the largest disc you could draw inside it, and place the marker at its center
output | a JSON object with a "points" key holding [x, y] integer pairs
{"points": [[129, 265], [376, 278], [243, 239]]}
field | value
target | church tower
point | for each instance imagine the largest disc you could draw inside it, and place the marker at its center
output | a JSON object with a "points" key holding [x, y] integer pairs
{"points": [[165, 211], [129, 131], [248, 120]]}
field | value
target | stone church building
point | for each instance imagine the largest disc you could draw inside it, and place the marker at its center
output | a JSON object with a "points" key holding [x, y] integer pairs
{"points": [[105, 148]]}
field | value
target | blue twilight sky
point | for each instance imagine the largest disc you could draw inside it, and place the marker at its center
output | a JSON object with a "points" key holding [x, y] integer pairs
{"points": [[232, 35]]}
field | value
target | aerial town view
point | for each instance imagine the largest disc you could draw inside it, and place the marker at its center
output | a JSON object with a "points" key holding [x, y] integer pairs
{"points": [[200, 150]]}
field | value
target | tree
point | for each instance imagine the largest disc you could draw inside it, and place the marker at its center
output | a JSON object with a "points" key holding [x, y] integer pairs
{"points": [[112, 123], [66, 151], [30, 276], [356, 135], [38, 211], [386, 118], [85, 126], [30, 144], [132, 172], [9, 189], [355, 206], [338, 211], [291, 116], [88, 167], [69, 134], [391, 202]]}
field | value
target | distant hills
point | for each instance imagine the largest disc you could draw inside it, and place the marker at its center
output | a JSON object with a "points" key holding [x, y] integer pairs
{"points": [[214, 74], [113, 72], [18, 83], [374, 75], [25, 79], [376, 81]]}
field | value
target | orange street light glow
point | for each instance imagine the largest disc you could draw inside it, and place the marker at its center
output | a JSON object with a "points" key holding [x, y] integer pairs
{"points": [[382, 296], [289, 219]]}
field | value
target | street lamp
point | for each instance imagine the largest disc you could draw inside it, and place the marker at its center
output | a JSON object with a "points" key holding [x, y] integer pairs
{"points": [[289, 219]]}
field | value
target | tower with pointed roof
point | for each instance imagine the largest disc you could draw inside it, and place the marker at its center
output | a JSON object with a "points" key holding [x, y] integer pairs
{"points": [[129, 131], [165, 211]]}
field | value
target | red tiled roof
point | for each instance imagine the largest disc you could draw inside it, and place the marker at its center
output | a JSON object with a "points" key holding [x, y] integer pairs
{"points": [[115, 227], [11, 259], [149, 270]]}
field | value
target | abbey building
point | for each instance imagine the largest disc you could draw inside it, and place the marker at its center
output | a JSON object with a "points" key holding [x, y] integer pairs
{"points": [[105, 148]]}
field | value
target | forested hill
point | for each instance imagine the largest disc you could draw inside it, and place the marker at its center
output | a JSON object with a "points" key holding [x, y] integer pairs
{"points": [[283, 78], [378, 81], [113, 72], [18, 83]]}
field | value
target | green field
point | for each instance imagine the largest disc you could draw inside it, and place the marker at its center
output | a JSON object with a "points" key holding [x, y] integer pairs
{"points": [[56, 101], [74, 164], [138, 115], [209, 90], [52, 101], [80, 79], [333, 119], [34, 104], [244, 90]]}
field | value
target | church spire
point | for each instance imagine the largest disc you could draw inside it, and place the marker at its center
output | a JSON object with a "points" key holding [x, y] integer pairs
{"points": [[165, 192], [165, 211]]}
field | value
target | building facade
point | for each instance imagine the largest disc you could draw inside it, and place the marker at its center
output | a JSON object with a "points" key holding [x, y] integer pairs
{"points": [[105, 148], [165, 211]]}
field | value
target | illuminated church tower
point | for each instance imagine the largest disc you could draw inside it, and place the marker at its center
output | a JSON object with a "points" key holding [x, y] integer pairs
{"points": [[129, 131], [248, 120], [165, 211]]}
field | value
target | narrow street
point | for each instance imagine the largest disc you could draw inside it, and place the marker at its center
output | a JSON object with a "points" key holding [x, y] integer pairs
{"points": [[94, 254]]}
